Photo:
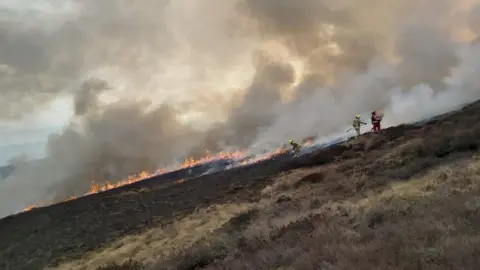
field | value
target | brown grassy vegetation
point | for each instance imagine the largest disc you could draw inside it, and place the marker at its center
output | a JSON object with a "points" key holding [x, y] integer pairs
{"points": [[159, 243], [412, 205], [429, 222], [406, 198]]}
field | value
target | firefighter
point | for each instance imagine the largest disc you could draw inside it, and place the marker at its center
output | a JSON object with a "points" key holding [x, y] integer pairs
{"points": [[295, 147], [357, 123], [376, 121]]}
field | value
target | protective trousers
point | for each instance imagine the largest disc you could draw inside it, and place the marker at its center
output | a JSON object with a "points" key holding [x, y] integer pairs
{"points": [[357, 129]]}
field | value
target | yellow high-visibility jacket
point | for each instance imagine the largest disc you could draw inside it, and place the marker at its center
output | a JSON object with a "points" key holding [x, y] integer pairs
{"points": [[357, 123]]}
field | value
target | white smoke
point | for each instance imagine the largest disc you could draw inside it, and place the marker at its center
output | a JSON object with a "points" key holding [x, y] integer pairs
{"points": [[323, 113]]}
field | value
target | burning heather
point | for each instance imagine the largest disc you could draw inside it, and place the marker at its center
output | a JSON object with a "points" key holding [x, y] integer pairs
{"points": [[239, 157]]}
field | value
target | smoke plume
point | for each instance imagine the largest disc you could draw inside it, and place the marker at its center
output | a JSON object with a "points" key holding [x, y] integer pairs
{"points": [[154, 81]]}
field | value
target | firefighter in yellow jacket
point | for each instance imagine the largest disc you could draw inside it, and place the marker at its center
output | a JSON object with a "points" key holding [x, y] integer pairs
{"points": [[295, 147], [357, 123]]}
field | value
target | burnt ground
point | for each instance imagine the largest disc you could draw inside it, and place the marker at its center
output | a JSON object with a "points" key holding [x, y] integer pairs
{"points": [[352, 171]]}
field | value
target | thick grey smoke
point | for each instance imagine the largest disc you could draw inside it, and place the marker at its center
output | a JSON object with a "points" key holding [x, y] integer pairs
{"points": [[85, 99], [416, 65], [154, 81], [474, 19]]}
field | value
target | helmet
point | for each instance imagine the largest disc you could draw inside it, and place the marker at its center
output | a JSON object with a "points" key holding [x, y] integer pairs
{"points": [[290, 141], [357, 116]]}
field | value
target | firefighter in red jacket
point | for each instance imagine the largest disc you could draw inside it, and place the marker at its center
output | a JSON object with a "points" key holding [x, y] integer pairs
{"points": [[376, 121]]}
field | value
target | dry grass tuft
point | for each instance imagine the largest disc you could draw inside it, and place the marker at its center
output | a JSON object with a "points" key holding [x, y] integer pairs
{"points": [[128, 265], [161, 243]]}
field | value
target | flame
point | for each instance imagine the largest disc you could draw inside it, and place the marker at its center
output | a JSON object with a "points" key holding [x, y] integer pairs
{"points": [[191, 162], [180, 181], [187, 163], [30, 207]]}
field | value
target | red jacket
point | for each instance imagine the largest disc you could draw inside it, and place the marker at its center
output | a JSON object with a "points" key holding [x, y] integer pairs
{"points": [[376, 118]]}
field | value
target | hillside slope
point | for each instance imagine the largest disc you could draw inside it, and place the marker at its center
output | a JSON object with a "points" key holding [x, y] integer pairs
{"points": [[406, 198]]}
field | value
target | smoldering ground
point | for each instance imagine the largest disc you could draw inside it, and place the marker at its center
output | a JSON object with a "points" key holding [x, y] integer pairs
{"points": [[154, 81]]}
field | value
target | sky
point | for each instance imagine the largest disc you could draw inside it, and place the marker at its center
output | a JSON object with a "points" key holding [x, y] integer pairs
{"points": [[30, 134]]}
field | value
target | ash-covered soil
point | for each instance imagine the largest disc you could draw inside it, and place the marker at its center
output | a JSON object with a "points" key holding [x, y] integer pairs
{"points": [[329, 187]]}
